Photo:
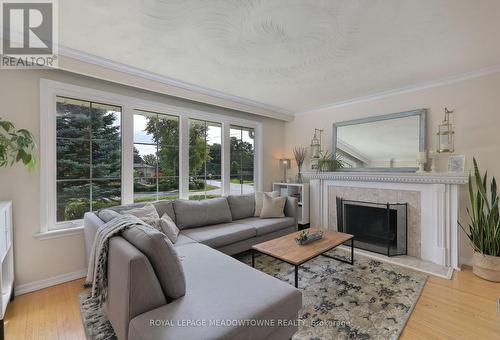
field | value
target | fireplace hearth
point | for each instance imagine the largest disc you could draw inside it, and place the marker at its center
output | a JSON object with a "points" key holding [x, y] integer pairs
{"points": [[377, 227]]}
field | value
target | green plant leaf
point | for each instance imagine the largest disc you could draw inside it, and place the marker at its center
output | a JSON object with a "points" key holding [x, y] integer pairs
{"points": [[484, 226], [16, 146]]}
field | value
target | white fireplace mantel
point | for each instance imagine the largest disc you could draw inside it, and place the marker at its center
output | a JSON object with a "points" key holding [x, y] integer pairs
{"points": [[439, 205], [395, 177]]}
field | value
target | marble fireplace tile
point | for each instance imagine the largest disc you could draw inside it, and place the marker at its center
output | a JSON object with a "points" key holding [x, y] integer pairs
{"points": [[381, 196]]}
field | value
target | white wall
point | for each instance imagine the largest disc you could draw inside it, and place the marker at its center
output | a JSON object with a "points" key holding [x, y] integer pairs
{"points": [[476, 103], [36, 259]]}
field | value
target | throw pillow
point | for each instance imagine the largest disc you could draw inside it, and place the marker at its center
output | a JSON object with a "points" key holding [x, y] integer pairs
{"points": [[146, 214], [169, 227], [163, 257], [259, 200], [272, 206], [107, 215]]}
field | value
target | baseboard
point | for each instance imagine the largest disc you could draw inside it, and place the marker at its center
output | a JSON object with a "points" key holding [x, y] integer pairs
{"points": [[465, 260], [48, 282]]}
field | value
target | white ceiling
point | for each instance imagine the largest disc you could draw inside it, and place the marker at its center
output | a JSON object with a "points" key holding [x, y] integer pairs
{"points": [[294, 55]]}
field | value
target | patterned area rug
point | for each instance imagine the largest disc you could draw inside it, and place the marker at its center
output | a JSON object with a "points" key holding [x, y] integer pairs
{"points": [[370, 300], [95, 322]]}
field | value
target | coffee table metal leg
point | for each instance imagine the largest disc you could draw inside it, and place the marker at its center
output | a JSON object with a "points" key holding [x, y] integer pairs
{"points": [[348, 261], [253, 258], [296, 276], [352, 250]]}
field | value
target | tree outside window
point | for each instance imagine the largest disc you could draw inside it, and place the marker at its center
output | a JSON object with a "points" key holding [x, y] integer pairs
{"points": [[88, 137], [205, 159], [242, 160], [156, 156]]}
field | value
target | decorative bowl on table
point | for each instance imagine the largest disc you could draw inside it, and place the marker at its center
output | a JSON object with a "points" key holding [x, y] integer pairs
{"points": [[305, 237]]}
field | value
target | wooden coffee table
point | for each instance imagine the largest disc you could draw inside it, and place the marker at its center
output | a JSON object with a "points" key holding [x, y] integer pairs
{"points": [[285, 248]]}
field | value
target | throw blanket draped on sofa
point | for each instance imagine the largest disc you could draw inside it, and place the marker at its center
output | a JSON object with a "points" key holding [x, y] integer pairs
{"points": [[98, 261]]}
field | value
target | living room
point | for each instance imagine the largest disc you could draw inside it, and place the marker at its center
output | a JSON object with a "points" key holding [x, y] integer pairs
{"points": [[249, 170]]}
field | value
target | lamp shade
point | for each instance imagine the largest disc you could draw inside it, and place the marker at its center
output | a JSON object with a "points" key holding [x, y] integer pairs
{"points": [[285, 163]]}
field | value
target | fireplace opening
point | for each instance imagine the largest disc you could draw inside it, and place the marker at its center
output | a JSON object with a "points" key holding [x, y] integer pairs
{"points": [[377, 227]]}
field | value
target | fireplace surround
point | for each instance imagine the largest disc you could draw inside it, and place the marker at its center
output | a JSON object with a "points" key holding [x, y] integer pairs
{"points": [[432, 229], [377, 227]]}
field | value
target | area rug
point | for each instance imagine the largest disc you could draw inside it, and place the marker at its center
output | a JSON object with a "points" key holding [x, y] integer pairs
{"points": [[369, 300], [95, 322]]}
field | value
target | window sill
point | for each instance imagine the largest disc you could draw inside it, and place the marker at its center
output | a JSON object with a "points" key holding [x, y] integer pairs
{"points": [[48, 235]]}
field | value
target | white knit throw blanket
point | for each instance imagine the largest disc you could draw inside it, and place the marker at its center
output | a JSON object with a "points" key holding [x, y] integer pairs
{"points": [[97, 274]]}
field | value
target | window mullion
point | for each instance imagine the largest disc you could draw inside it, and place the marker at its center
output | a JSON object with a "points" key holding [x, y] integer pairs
{"points": [[226, 159], [157, 158], [91, 188], [183, 157], [127, 171]]}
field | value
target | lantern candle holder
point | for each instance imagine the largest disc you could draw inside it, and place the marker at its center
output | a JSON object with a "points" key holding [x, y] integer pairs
{"points": [[446, 134]]}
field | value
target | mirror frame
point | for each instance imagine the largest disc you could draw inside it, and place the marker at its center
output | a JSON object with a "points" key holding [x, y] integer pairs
{"points": [[421, 113]]}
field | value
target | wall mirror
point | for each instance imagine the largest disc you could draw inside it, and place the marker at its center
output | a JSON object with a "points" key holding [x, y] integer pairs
{"points": [[382, 143]]}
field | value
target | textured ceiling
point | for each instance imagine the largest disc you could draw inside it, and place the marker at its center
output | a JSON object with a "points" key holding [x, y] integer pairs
{"points": [[296, 55]]}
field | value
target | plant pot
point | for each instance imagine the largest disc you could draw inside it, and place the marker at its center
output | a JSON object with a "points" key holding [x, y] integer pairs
{"points": [[486, 266]]}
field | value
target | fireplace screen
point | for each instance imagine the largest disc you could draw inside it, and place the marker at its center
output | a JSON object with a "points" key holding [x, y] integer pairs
{"points": [[377, 227]]}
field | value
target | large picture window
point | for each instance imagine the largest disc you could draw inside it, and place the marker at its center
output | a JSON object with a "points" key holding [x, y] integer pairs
{"points": [[242, 160], [88, 142], [205, 159], [156, 156], [100, 149]]}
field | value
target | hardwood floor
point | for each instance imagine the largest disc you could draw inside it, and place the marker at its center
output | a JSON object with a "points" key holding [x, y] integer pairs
{"points": [[465, 307], [49, 314], [462, 308]]}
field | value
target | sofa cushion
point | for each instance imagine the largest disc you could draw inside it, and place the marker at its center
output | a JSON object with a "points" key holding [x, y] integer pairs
{"points": [[165, 207], [268, 225], [273, 207], [147, 214], [259, 197], [190, 214], [221, 234], [242, 206], [182, 240], [163, 257], [107, 215], [119, 208], [169, 228], [221, 288]]}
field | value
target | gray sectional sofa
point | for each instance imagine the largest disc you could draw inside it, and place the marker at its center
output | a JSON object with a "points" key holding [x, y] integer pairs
{"points": [[225, 299]]}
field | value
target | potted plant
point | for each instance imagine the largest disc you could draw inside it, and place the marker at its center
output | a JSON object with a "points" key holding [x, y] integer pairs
{"points": [[328, 162], [16, 146], [484, 227]]}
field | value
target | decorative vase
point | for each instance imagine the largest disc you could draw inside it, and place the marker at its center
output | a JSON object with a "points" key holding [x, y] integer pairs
{"points": [[486, 266], [299, 175]]}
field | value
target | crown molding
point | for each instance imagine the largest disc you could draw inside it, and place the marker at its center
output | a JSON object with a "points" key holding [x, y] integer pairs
{"points": [[418, 178], [408, 89], [182, 89], [205, 95]]}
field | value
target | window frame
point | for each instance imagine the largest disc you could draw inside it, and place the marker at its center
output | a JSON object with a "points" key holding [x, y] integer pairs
{"points": [[158, 115], [91, 179], [50, 89], [241, 129], [206, 123]]}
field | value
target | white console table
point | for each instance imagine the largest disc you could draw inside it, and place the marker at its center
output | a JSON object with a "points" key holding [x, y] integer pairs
{"points": [[439, 196]]}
